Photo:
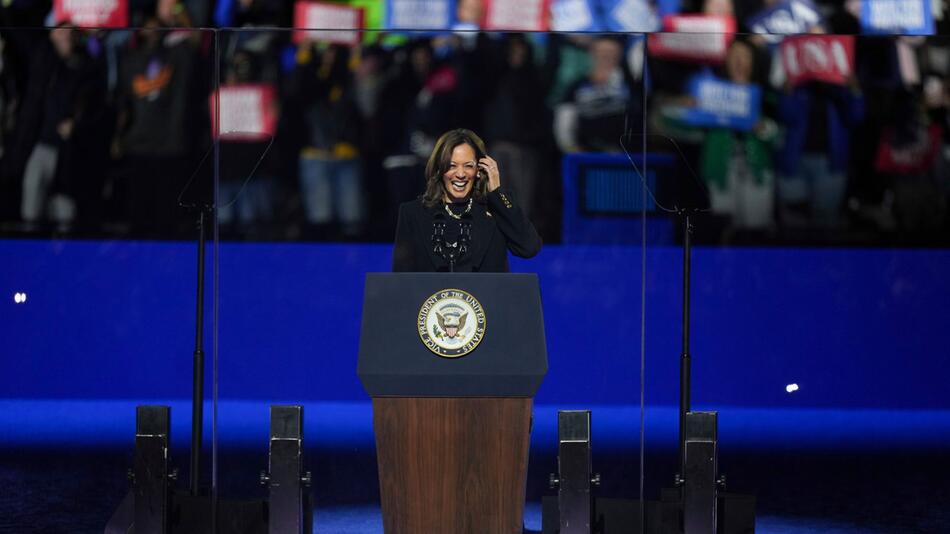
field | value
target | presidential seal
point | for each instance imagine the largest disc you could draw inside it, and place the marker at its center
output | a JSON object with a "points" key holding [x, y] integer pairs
{"points": [[451, 323]]}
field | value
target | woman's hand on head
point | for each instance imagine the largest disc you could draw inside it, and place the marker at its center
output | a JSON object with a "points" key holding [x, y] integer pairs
{"points": [[490, 167]]}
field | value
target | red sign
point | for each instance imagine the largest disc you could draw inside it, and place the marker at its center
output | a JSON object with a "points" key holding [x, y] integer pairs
{"points": [[822, 58], [332, 23], [517, 15], [702, 38], [916, 157], [92, 13], [248, 112]]}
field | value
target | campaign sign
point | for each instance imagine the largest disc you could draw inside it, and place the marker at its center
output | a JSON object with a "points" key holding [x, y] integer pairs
{"points": [[516, 15], [630, 16], [723, 104], [574, 16], [785, 18], [699, 38], [905, 17], [92, 13], [823, 58], [247, 112], [336, 23], [425, 15]]}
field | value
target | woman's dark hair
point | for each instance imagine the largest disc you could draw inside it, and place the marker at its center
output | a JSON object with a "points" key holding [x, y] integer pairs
{"points": [[439, 162]]}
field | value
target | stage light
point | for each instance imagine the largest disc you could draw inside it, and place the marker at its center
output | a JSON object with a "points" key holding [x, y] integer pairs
{"points": [[19, 298], [791, 388]]}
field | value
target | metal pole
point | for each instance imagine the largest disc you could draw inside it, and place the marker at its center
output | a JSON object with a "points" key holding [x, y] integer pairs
{"points": [[685, 359], [197, 397]]}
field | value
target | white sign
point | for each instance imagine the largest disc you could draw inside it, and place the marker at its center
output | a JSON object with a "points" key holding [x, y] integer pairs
{"points": [[336, 23], [419, 14], [516, 15], [910, 17], [571, 16]]}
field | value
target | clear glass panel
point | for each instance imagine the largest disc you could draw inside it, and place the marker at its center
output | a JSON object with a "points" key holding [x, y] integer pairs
{"points": [[103, 134], [309, 205], [814, 273]]}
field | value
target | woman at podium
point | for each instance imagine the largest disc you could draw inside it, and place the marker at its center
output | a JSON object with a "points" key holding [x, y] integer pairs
{"points": [[465, 220]]}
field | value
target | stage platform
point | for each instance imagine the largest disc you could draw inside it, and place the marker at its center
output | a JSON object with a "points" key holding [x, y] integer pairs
{"points": [[63, 462]]}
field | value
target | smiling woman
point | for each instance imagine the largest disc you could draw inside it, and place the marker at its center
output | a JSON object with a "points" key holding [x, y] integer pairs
{"points": [[466, 220]]}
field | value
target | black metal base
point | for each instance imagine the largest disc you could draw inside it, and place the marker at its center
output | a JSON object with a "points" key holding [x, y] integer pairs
{"points": [[622, 516], [154, 506]]}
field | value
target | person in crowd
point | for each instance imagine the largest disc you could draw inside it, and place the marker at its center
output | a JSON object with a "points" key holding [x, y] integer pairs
{"points": [[907, 156], [736, 165], [8, 95], [813, 160], [330, 171], [420, 103], [566, 61], [466, 220], [594, 115], [160, 122], [516, 120], [937, 104], [60, 93], [11, 85], [247, 191], [469, 14]]}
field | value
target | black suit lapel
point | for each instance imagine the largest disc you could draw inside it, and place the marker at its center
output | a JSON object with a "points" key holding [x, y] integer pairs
{"points": [[483, 231]]}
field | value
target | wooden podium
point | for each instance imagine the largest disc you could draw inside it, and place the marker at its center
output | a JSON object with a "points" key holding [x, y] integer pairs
{"points": [[452, 430]]}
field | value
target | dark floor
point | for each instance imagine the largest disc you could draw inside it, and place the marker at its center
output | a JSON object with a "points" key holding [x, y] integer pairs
{"points": [[902, 492]]}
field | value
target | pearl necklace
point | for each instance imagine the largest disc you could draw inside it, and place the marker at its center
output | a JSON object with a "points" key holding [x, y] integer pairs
{"points": [[452, 214]]}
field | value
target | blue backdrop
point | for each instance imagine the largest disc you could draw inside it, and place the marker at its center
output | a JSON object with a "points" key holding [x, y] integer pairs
{"points": [[854, 328]]}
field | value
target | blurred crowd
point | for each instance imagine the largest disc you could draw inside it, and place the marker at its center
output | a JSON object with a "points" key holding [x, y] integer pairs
{"points": [[110, 132]]}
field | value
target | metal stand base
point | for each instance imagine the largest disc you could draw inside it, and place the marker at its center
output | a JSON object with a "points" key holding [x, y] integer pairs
{"points": [[153, 507], [574, 478], [700, 486], [286, 482]]}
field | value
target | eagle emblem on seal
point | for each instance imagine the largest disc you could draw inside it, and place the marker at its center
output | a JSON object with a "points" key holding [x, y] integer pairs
{"points": [[451, 323]]}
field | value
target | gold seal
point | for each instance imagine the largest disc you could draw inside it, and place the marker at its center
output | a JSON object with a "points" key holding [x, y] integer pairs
{"points": [[451, 323]]}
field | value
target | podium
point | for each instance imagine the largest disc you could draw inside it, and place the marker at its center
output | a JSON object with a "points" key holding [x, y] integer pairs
{"points": [[452, 362]]}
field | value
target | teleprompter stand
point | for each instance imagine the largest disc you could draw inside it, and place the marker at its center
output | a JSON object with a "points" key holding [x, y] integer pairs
{"points": [[154, 506], [701, 505], [696, 504], [452, 433]]}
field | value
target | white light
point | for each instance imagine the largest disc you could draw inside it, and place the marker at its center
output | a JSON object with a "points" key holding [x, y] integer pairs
{"points": [[19, 298], [791, 388]]}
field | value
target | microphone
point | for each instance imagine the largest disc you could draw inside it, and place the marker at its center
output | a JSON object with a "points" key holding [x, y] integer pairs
{"points": [[465, 234], [438, 234], [451, 252]]}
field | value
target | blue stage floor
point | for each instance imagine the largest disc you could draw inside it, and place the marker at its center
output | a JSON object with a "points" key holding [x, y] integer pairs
{"points": [[62, 464]]}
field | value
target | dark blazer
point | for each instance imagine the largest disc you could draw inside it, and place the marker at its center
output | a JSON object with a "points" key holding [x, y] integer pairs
{"points": [[498, 225]]}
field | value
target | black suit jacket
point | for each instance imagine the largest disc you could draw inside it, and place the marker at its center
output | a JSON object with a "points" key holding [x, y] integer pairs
{"points": [[498, 225]]}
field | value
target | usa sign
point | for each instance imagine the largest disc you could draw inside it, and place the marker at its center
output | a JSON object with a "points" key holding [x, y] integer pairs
{"points": [[822, 58]]}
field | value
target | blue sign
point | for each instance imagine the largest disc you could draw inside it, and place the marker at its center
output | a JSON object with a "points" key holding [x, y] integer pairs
{"points": [[722, 104], [629, 16], [785, 18], [423, 15], [575, 16], [904, 17]]}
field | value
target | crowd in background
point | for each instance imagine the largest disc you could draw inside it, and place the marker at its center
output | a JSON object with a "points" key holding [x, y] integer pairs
{"points": [[109, 132]]}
